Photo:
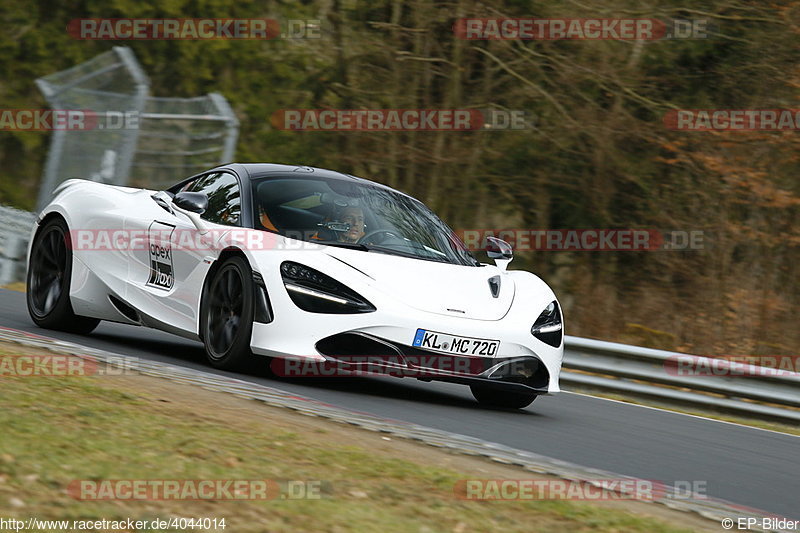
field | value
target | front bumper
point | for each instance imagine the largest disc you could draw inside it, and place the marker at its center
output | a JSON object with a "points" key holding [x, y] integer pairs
{"points": [[361, 352], [296, 334]]}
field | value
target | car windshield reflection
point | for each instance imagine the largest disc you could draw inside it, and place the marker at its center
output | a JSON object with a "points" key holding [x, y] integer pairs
{"points": [[355, 215]]}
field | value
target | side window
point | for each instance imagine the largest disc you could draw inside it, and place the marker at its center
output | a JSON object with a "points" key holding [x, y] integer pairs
{"points": [[224, 197]]}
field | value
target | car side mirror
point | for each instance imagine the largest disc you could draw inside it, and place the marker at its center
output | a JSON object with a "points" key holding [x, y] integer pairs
{"points": [[192, 205], [194, 202], [500, 251]]}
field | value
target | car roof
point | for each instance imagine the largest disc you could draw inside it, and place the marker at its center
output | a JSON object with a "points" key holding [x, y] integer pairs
{"points": [[263, 170]]}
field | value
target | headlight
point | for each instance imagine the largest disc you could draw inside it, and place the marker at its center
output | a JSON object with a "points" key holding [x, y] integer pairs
{"points": [[548, 328], [316, 292]]}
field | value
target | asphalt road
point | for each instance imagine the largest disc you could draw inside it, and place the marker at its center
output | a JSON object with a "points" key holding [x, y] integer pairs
{"points": [[746, 466]]}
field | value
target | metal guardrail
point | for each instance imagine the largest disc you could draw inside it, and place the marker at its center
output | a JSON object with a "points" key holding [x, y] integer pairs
{"points": [[15, 228], [678, 378]]}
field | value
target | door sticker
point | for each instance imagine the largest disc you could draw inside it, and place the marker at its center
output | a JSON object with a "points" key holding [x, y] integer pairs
{"points": [[160, 250]]}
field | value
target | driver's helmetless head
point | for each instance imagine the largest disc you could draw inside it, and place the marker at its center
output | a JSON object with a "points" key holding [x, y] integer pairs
{"points": [[355, 217]]}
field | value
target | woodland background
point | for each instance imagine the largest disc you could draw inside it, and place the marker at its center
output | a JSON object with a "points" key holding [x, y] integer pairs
{"points": [[598, 157]]}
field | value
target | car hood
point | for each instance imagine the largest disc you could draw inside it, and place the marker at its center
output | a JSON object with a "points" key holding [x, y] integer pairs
{"points": [[452, 290]]}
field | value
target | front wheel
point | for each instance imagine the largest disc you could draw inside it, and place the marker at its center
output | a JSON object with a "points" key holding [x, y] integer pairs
{"points": [[493, 397], [228, 316], [48, 281]]}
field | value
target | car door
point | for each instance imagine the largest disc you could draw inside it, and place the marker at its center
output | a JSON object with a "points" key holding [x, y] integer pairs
{"points": [[168, 271]]}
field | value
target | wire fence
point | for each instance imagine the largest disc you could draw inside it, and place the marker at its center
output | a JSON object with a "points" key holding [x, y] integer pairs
{"points": [[138, 140], [112, 82], [179, 137], [156, 141]]}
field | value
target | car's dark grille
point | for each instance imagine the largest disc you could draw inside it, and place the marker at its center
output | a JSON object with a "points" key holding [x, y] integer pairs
{"points": [[367, 349]]}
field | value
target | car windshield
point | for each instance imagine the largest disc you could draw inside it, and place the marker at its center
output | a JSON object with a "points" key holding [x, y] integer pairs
{"points": [[356, 215]]}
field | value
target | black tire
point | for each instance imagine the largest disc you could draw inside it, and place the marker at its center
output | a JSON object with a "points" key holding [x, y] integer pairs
{"points": [[493, 397], [48, 281], [227, 316]]}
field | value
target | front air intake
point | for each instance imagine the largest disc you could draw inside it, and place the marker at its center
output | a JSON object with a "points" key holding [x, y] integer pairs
{"points": [[526, 370], [355, 344]]}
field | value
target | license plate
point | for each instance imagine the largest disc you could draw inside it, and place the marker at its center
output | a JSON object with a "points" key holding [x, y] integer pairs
{"points": [[454, 344]]}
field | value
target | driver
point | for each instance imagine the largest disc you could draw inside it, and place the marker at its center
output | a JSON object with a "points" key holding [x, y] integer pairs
{"points": [[354, 216]]}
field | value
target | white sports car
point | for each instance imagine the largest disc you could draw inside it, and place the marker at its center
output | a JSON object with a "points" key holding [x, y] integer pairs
{"points": [[296, 264]]}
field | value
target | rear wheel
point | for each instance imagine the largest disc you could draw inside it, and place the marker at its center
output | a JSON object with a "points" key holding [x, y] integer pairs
{"points": [[493, 397], [48, 282], [228, 316]]}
